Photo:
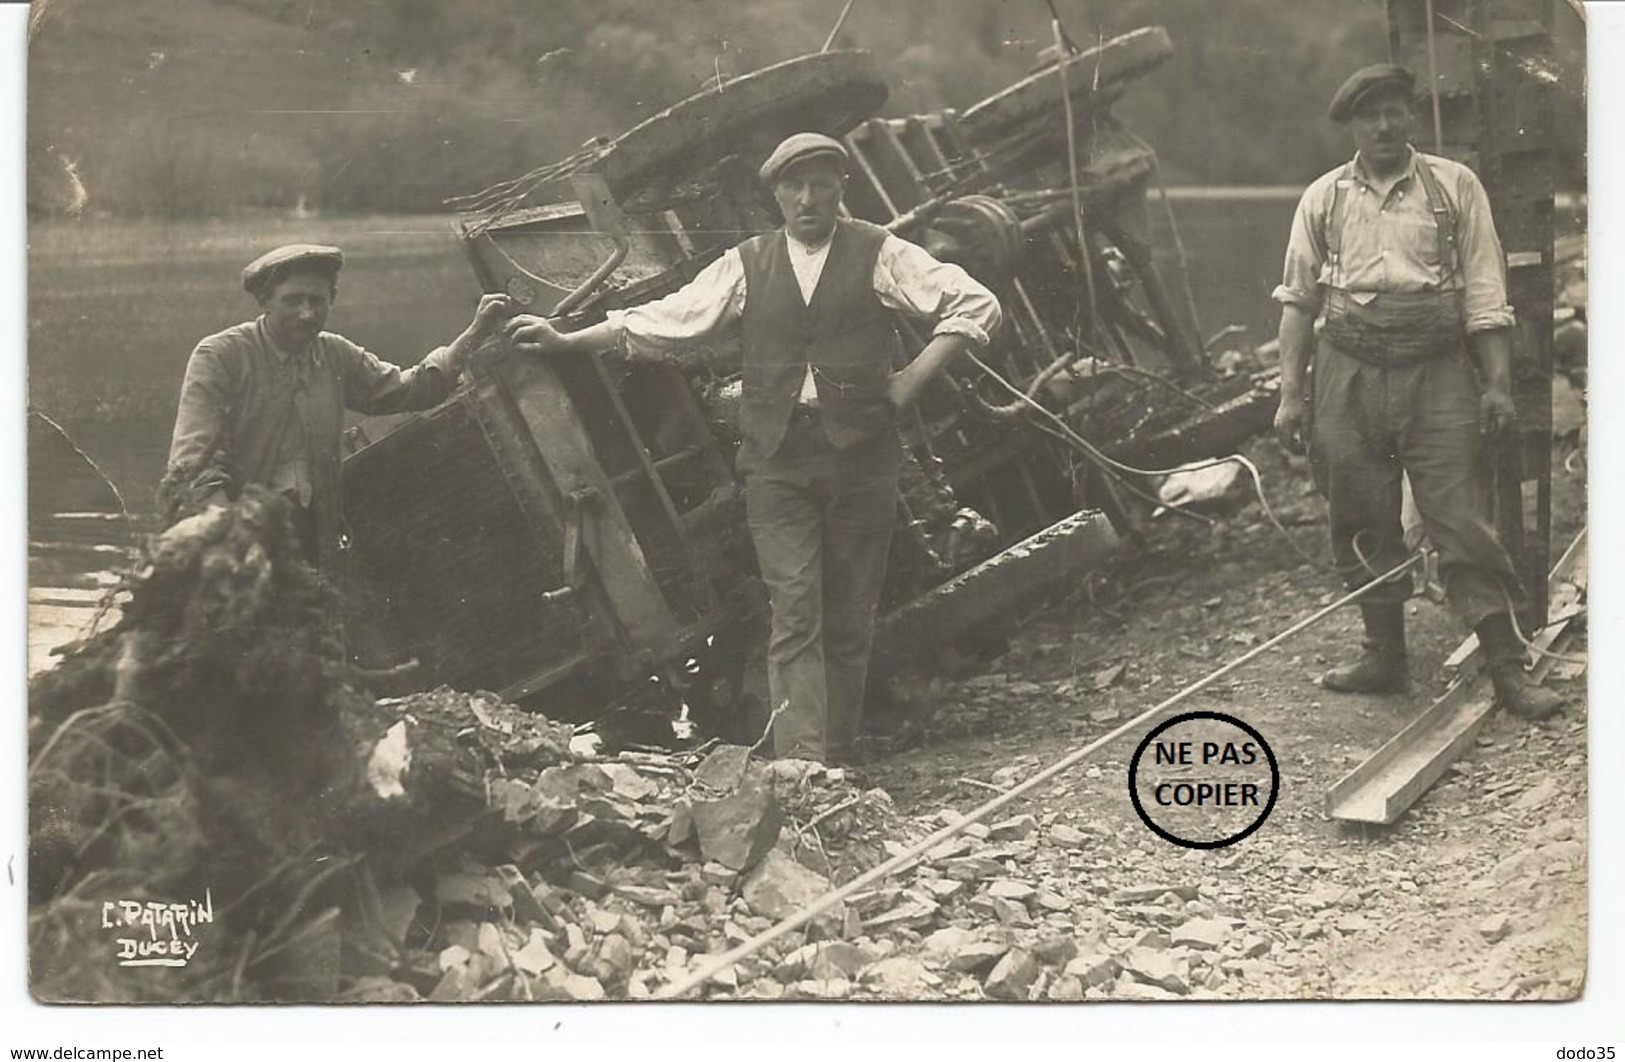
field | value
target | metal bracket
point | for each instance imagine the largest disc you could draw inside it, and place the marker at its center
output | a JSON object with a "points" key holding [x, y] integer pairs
{"points": [[606, 218], [575, 568]]}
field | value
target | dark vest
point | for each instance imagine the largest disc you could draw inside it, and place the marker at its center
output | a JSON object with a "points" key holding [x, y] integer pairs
{"points": [[845, 334]]}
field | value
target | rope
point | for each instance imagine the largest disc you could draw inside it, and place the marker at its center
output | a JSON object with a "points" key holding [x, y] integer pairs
{"points": [[1179, 241], [1433, 85], [1134, 370], [1528, 643], [124, 510], [1066, 38], [836, 29], [1042, 377], [109, 597], [492, 204], [1128, 486], [1061, 59], [907, 857], [1111, 464]]}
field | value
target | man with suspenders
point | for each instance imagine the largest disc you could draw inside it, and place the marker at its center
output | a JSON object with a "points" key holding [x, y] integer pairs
{"points": [[1396, 253]]}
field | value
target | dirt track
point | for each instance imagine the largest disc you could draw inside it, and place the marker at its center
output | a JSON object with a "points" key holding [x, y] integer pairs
{"points": [[1306, 907]]}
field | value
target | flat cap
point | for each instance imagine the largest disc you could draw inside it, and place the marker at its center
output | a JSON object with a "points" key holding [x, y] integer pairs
{"points": [[273, 265], [797, 147], [1363, 82]]}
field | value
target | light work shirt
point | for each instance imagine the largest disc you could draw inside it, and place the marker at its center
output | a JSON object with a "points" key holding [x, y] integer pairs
{"points": [[907, 279], [1391, 242], [253, 413]]}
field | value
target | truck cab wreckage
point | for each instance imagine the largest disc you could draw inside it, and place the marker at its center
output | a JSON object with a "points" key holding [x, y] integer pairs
{"points": [[612, 536]]}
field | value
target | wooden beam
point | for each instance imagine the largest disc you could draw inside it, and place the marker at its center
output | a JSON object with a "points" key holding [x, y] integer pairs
{"points": [[1566, 590], [1046, 561], [1384, 786], [607, 535], [1500, 83]]}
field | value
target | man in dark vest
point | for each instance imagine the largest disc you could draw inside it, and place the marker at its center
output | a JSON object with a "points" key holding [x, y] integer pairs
{"points": [[813, 304], [1396, 253]]}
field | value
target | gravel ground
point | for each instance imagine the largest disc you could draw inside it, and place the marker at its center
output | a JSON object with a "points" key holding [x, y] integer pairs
{"points": [[617, 875], [1478, 892]]}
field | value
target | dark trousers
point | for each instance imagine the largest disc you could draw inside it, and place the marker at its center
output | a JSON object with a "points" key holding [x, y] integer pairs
{"points": [[1371, 424], [821, 520]]}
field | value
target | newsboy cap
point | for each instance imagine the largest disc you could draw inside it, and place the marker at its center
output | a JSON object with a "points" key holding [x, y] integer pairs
{"points": [[797, 147], [272, 266], [1363, 82]]}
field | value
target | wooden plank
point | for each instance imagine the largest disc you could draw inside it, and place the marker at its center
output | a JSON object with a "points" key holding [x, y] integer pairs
{"points": [[1380, 789], [929, 161], [1464, 654], [68, 596], [1567, 586], [1564, 644], [563, 442], [954, 134], [530, 480], [1044, 561], [890, 161], [1568, 595], [1499, 78], [1384, 786]]}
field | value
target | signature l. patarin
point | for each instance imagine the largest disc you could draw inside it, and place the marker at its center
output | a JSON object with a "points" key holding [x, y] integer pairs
{"points": [[180, 920]]}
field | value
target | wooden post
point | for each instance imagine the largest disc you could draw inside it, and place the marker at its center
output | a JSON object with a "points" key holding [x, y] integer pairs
{"points": [[1497, 114]]}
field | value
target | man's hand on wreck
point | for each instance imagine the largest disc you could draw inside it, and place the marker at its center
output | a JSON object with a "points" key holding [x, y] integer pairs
{"points": [[492, 310], [530, 334]]}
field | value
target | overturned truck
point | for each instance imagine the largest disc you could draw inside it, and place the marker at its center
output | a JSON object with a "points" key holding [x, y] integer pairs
{"points": [[570, 531]]}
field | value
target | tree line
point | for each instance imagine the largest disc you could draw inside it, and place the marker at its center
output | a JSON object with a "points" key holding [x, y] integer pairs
{"points": [[424, 99]]}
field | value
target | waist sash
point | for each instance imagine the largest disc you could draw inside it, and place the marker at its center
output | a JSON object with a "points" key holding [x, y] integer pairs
{"points": [[1396, 329]]}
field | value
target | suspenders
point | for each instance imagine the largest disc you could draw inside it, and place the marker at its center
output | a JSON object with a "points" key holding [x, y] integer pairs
{"points": [[1444, 220]]}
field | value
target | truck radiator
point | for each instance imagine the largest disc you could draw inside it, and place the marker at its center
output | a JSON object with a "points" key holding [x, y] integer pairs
{"points": [[443, 553]]}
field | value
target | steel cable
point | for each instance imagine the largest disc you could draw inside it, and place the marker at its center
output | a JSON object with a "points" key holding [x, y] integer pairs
{"points": [[1119, 468], [910, 855]]}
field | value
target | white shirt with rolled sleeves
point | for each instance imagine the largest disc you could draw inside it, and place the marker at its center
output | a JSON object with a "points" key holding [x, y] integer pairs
{"points": [[1391, 242], [907, 279]]}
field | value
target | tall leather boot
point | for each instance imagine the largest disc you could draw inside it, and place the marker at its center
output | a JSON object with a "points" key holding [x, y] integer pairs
{"points": [[1504, 655], [1382, 666]]}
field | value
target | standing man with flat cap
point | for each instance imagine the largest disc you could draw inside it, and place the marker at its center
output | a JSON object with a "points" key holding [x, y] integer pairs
{"points": [[1396, 253], [263, 402], [812, 303]]}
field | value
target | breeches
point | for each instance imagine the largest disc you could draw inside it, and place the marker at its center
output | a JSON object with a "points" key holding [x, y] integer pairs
{"points": [[821, 520], [1371, 424]]}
